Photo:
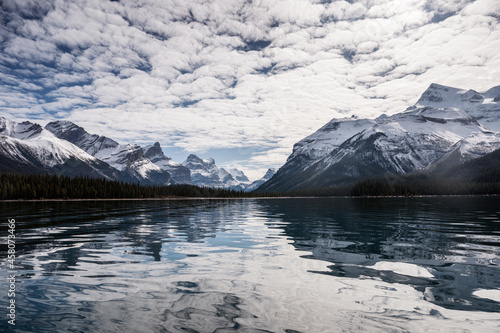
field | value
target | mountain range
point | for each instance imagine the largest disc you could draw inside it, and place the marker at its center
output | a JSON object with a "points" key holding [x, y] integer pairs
{"points": [[65, 148], [447, 126]]}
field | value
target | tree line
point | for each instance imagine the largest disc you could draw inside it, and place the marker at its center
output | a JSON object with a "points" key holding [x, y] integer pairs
{"points": [[29, 187], [474, 177], [423, 186]]}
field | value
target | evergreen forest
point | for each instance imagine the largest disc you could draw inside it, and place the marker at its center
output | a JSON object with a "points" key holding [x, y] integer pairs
{"points": [[30, 187]]}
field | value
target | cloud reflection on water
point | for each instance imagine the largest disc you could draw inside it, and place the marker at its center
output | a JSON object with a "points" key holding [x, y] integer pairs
{"points": [[236, 265]]}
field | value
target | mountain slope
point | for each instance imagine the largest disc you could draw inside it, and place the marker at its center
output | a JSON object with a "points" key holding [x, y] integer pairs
{"points": [[91, 143], [180, 174], [477, 176], [23, 151], [254, 185], [28, 148], [204, 172], [446, 126], [128, 159]]}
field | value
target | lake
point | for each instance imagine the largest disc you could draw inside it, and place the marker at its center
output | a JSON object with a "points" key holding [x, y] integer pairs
{"points": [[255, 265]]}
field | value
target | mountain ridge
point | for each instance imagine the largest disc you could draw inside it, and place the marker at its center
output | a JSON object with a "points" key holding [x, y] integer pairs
{"points": [[444, 120], [65, 148]]}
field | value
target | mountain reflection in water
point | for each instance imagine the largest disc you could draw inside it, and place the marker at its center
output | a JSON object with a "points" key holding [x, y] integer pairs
{"points": [[259, 265]]}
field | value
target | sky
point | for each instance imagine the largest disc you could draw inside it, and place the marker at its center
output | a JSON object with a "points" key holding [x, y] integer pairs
{"points": [[237, 80]]}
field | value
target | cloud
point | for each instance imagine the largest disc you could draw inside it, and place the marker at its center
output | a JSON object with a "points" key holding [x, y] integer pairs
{"points": [[221, 74]]}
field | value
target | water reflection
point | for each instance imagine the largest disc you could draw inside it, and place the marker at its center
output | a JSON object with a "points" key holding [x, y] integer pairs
{"points": [[459, 242], [280, 265]]}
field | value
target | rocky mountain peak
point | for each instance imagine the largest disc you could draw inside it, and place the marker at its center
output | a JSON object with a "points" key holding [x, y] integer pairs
{"points": [[154, 152], [68, 131], [238, 175], [77, 135], [23, 130], [437, 94], [192, 158], [472, 96], [195, 161], [269, 173]]}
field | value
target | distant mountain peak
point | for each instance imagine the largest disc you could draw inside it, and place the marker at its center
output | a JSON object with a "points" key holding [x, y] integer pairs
{"points": [[180, 174], [204, 172], [269, 173], [129, 159], [437, 94], [440, 96], [239, 175], [194, 159], [154, 152]]}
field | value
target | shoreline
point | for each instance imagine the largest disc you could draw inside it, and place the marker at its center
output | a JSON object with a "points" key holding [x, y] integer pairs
{"points": [[247, 198]]}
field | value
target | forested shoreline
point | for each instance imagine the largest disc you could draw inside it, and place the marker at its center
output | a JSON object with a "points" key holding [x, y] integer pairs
{"points": [[40, 187]]}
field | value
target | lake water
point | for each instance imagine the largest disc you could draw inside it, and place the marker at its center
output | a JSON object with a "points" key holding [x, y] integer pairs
{"points": [[255, 265]]}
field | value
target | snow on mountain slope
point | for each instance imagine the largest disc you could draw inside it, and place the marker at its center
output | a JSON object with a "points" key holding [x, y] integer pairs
{"points": [[31, 146], [330, 136], [129, 158], [91, 143], [445, 124], [254, 185], [204, 172], [180, 174], [66, 148], [484, 107], [122, 157], [439, 96], [16, 130], [48, 149], [239, 176]]}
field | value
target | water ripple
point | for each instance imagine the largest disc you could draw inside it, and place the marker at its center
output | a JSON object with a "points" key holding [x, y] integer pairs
{"points": [[282, 265]]}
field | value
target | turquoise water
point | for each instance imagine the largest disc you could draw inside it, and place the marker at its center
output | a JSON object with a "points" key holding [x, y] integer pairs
{"points": [[256, 265]]}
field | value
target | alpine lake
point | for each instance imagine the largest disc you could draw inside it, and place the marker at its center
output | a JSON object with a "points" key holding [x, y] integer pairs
{"points": [[417, 264]]}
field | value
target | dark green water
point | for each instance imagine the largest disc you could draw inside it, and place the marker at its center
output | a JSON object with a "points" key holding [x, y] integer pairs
{"points": [[277, 265]]}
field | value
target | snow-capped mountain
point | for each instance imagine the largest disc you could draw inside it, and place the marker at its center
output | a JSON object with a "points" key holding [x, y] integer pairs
{"points": [[180, 174], [91, 143], [254, 185], [446, 126], [204, 172], [66, 148], [28, 148], [239, 176], [128, 159]]}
